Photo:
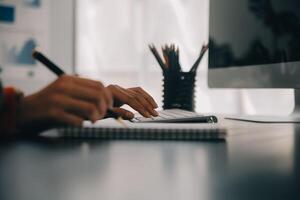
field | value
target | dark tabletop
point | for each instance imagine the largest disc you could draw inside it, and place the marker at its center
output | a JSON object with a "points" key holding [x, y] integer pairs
{"points": [[257, 161]]}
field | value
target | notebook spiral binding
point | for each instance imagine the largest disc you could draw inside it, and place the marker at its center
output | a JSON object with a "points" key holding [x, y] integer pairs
{"points": [[142, 134]]}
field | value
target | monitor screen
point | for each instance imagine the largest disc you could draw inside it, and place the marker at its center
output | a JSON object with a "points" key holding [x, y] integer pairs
{"points": [[255, 33]]}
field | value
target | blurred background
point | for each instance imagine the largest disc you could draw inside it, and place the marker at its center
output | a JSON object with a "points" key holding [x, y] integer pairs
{"points": [[108, 40]]}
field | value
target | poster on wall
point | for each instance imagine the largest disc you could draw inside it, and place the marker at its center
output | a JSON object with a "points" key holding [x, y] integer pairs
{"points": [[24, 26]]}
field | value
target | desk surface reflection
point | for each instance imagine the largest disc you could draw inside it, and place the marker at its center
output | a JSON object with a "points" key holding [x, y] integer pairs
{"points": [[257, 161]]}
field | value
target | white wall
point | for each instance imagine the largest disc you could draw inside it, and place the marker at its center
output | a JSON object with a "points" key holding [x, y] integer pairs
{"points": [[112, 46], [62, 34], [57, 21]]}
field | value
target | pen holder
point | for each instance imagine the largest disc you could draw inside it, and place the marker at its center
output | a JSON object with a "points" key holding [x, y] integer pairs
{"points": [[179, 90]]}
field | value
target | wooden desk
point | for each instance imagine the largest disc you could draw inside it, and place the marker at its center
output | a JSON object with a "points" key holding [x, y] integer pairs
{"points": [[258, 161]]}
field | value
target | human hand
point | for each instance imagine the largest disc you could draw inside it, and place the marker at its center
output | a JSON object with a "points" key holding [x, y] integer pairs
{"points": [[136, 98], [67, 101]]}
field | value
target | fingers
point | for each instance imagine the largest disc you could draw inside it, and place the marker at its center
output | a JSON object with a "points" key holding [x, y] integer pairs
{"points": [[68, 100], [69, 119], [91, 85], [136, 105], [80, 97], [144, 104], [146, 96], [96, 85], [118, 93], [108, 97], [115, 95], [135, 98], [86, 94], [82, 109], [87, 89], [131, 98], [88, 99], [123, 113]]}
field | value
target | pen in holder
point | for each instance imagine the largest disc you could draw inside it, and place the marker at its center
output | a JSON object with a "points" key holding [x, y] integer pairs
{"points": [[178, 86]]}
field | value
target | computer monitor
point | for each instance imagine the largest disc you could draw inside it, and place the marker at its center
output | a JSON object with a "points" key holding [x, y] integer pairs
{"points": [[255, 44]]}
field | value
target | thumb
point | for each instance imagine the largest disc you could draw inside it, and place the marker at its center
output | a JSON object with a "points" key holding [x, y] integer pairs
{"points": [[123, 113]]}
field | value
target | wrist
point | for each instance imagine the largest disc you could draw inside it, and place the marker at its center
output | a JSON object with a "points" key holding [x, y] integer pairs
{"points": [[10, 108]]}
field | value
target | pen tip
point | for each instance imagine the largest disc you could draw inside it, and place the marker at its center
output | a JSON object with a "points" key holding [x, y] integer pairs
{"points": [[35, 52]]}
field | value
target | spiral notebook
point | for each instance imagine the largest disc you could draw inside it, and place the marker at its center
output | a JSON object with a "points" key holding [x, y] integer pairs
{"points": [[109, 129]]}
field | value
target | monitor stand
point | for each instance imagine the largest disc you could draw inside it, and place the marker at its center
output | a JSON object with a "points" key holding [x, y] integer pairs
{"points": [[294, 117]]}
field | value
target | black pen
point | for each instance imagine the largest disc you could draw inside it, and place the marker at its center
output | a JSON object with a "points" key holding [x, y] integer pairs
{"points": [[48, 63], [59, 72]]}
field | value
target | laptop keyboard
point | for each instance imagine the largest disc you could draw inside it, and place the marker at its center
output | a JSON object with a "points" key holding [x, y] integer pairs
{"points": [[177, 116]]}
